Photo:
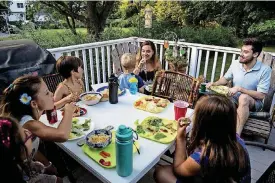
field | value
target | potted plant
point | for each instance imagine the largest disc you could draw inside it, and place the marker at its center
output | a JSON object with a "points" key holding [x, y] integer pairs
{"points": [[177, 59]]}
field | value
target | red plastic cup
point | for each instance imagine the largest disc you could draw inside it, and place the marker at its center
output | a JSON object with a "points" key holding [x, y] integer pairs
{"points": [[180, 108], [52, 116]]}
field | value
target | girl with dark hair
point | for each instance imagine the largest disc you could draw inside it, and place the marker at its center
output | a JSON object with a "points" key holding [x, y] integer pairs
{"points": [[216, 152], [16, 155], [26, 99], [147, 64], [70, 68]]}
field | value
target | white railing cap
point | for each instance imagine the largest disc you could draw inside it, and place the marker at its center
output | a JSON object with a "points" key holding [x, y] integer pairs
{"points": [[91, 45]]}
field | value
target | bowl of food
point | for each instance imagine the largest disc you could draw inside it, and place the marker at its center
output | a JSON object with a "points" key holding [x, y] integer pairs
{"points": [[99, 138], [90, 98], [105, 93]]}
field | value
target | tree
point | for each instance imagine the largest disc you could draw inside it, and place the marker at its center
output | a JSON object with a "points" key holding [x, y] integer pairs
{"points": [[170, 11], [92, 13], [238, 14], [3, 12]]}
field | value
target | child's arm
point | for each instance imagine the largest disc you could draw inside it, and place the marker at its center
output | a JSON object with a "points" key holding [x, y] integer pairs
{"points": [[141, 90], [59, 101]]}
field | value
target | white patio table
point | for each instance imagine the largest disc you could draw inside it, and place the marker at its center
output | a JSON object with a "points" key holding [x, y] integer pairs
{"points": [[104, 114]]}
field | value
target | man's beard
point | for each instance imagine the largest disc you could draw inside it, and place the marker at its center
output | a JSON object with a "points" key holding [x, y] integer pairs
{"points": [[246, 61]]}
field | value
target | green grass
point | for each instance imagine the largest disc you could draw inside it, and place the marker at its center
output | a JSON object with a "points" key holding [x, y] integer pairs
{"points": [[269, 49], [211, 63], [53, 31], [83, 30]]}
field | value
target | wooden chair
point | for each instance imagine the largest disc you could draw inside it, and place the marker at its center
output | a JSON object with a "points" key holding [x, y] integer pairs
{"points": [[176, 86], [260, 123], [52, 81], [119, 50]]}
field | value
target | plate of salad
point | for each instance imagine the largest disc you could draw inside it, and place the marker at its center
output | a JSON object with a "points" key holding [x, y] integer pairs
{"points": [[81, 126]]}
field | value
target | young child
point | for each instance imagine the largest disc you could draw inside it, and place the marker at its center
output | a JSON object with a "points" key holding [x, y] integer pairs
{"points": [[216, 152], [128, 63], [69, 90], [16, 155]]}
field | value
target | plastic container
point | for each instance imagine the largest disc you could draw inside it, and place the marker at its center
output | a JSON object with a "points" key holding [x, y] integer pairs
{"points": [[180, 108], [133, 85], [52, 115]]}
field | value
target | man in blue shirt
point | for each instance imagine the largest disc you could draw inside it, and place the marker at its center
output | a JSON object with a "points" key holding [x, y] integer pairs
{"points": [[251, 81]]}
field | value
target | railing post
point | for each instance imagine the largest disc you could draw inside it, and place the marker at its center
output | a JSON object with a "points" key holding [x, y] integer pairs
{"points": [[57, 55], [193, 62]]}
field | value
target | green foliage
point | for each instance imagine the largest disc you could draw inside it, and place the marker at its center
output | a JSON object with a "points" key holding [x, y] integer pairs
{"points": [[178, 61], [220, 36], [244, 13], [264, 30], [169, 11], [117, 33], [51, 38]]}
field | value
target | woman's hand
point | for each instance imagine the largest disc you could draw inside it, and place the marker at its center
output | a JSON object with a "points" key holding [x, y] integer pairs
{"points": [[141, 63]]}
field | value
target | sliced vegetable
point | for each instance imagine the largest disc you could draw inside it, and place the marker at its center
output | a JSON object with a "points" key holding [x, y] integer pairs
{"points": [[106, 153], [148, 99], [86, 124], [140, 129], [75, 120], [159, 136], [104, 163], [138, 103], [156, 100], [136, 122], [102, 154], [164, 130], [155, 122]]}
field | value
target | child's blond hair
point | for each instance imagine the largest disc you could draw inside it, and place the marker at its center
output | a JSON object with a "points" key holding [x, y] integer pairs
{"points": [[128, 61]]}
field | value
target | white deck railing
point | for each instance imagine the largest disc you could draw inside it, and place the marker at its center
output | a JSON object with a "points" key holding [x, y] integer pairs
{"points": [[98, 64]]}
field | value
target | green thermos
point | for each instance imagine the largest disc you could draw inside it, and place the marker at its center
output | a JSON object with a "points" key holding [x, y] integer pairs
{"points": [[124, 151]]}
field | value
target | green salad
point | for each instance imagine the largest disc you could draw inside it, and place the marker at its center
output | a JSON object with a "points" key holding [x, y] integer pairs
{"points": [[78, 129]]}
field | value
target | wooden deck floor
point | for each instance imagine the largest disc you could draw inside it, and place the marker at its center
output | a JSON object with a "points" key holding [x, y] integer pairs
{"points": [[260, 159]]}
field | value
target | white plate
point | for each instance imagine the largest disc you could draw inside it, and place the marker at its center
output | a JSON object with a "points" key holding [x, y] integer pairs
{"points": [[81, 121]]}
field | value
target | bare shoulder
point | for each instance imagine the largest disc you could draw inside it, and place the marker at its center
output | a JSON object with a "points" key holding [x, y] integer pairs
{"points": [[34, 125], [61, 88], [60, 91]]}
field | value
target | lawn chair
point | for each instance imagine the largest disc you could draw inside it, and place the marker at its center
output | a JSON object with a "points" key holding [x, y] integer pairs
{"points": [[52, 81], [176, 86], [269, 175], [260, 123], [119, 50]]}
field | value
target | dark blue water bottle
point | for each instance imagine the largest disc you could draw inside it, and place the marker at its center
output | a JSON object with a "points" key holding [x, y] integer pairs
{"points": [[113, 89]]}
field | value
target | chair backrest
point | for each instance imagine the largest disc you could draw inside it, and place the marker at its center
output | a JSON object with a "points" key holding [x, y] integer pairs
{"points": [[176, 86], [52, 81], [269, 60], [119, 50]]}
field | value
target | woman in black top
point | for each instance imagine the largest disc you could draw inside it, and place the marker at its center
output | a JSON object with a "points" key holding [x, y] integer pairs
{"points": [[147, 64]]}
